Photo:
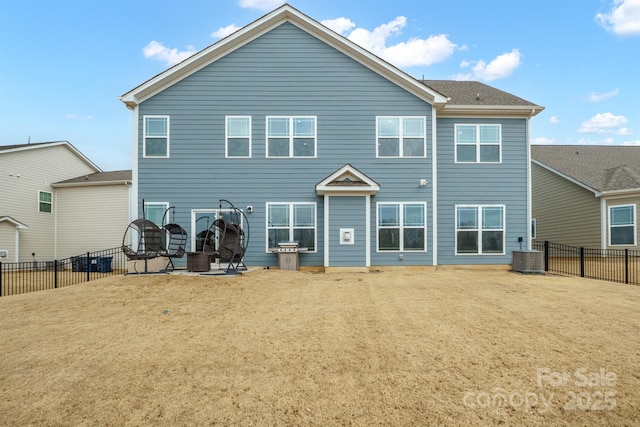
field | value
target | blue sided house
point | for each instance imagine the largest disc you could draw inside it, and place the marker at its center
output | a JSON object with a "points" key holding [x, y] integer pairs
{"points": [[321, 142]]}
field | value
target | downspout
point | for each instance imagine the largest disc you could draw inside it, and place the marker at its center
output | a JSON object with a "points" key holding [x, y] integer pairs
{"points": [[434, 188], [603, 224], [133, 199], [529, 186]]}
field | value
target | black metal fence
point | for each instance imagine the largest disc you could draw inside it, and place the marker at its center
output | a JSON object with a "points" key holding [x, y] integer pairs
{"points": [[21, 277], [615, 265]]}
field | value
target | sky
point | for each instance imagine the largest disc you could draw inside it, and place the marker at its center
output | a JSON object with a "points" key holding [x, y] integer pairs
{"points": [[64, 64]]}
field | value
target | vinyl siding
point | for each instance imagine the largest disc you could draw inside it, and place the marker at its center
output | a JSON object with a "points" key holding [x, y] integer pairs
{"points": [[8, 240], [284, 72], [91, 218], [38, 168], [482, 184], [347, 212], [565, 212]]}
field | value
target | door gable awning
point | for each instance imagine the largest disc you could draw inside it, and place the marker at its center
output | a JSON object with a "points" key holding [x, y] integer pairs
{"points": [[347, 180]]}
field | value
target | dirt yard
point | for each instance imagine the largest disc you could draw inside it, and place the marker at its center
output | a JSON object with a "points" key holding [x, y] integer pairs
{"points": [[298, 348]]}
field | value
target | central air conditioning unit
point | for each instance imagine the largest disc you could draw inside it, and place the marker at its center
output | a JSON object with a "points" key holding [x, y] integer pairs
{"points": [[528, 262]]}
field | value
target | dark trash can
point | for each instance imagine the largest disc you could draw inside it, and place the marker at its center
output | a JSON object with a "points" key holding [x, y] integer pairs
{"points": [[103, 264], [79, 264]]}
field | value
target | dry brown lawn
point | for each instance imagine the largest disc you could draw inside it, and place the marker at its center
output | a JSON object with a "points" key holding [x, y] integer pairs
{"points": [[298, 348]]}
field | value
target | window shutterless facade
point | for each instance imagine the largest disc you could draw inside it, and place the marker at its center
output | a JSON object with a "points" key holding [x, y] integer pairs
{"points": [[291, 136], [402, 226], [45, 201], [480, 229], [238, 136], [288, 222], [155, 131], [622, 225], [478, 143], [401, 137]]}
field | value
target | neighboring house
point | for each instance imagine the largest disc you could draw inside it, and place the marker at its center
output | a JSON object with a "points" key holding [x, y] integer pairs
{"points": [[321, 142], [587, 195], [56, 203]]}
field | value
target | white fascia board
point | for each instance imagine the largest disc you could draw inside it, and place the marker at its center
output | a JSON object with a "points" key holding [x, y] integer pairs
{"points": [[67, 144], [567, 177], [489, 111], [15, 222], [261, 26], [93, 184]]}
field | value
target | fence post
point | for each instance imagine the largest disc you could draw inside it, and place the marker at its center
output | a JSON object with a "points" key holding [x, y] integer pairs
{"points": [[0, 278], [88, 267], [626, 266], [546, 255], [581, 261], [55, 274]]}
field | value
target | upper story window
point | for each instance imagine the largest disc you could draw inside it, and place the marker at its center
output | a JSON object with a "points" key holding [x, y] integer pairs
{"points": [[401, 137], [291, 136], [291, 222], [478, 143], [480, 229], [156, 136], [238, 136], [45, 201], [402, 227], [622, 225]]}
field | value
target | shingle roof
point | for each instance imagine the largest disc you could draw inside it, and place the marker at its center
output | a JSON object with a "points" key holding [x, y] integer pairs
{"points": [[12, 147], [600, 167], [474, 93], [98, 177]]}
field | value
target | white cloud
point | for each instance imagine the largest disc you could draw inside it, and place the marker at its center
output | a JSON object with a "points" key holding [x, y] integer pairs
{"points": [[543, 141], [602, 123], [636, 142], [265, 5], [624, 132], [74, 116], [339, 25], [156, 50], [223, 32], [597, 97], [415, 51], [500, 67], [623, 19], [554, 119]]}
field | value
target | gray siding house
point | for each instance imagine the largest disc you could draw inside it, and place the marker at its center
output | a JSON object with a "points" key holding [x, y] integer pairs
{"points": [[319, 141], [587, 195]]}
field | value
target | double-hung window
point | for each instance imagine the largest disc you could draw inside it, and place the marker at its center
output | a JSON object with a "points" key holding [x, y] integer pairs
{"points": [[401, 137], [622, 225], [155, 130], [45, 201], [478, 143], [402, 227], [291, 136], [291, 222], [480, 229], [238, 136]]}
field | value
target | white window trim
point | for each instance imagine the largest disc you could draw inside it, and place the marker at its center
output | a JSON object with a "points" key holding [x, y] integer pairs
{"points": [[292, 137], [635, 224], [401, 137], [291, 226], [477, 143], [165, 205], [401, 227], [144, 136], [479, 229], [40, 201], [227, 138]]}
